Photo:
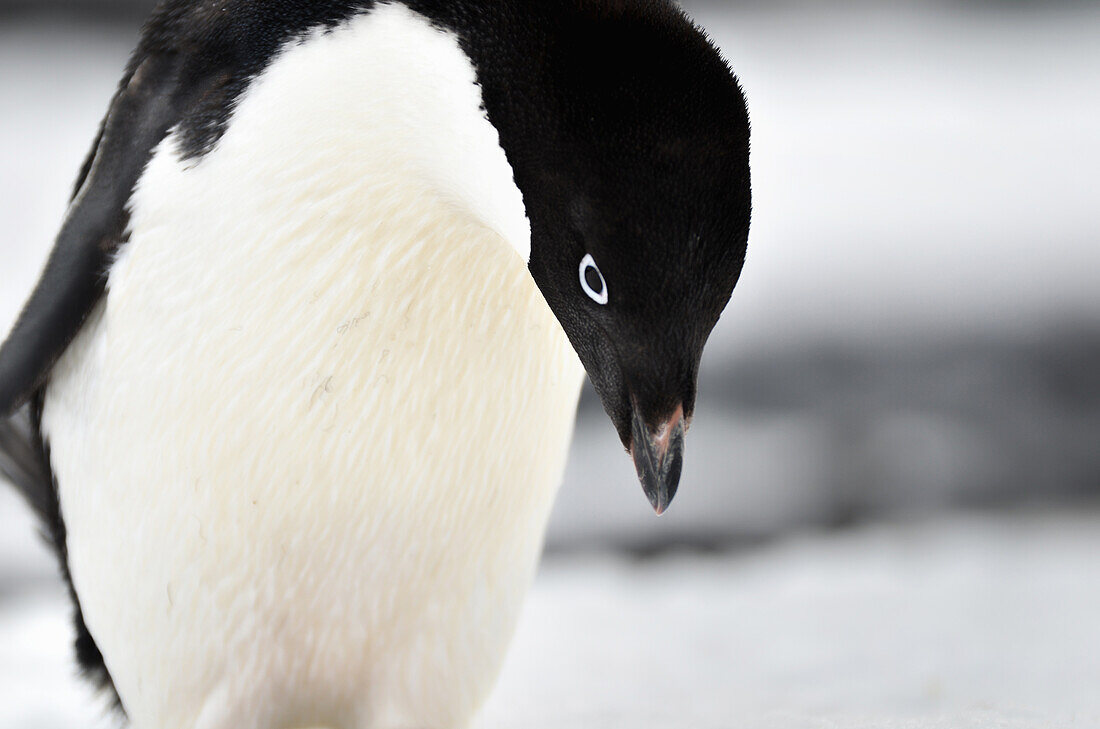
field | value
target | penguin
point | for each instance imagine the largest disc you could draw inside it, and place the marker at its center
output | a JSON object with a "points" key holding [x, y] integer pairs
{"points": [[294, 392]]}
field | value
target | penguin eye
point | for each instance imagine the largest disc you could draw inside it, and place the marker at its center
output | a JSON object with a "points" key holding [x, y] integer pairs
{"points": [[592, 281]]}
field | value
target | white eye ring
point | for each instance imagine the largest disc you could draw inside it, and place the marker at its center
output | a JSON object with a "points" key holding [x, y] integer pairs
{"points": [[600, 297]]}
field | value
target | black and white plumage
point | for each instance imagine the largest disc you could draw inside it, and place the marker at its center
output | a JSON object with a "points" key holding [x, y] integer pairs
{"points": [[295, 389]]}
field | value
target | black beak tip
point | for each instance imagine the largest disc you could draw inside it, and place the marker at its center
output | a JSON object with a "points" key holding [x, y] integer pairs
{"points": [[662, 491], [659, 463]]}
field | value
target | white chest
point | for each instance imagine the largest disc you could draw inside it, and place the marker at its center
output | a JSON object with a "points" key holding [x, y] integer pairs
{"points": [[308, 446]]}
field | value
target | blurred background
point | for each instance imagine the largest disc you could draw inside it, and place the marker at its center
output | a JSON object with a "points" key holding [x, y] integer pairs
{"points": [[889, 505]]}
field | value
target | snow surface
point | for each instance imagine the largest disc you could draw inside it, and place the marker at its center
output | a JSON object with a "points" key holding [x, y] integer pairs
{"points": [[962, 622]]}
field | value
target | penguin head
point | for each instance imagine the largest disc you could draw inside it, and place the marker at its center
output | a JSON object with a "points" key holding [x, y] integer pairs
{"points": [[631, 149]]}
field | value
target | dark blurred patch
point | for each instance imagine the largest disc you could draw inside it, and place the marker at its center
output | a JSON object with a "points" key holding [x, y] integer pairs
{"points": [[643, 545], [967, 423]]}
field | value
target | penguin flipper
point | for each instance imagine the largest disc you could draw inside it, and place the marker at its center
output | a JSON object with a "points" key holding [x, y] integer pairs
{"points": [[23, 460], [143, 110], [74, 278]]}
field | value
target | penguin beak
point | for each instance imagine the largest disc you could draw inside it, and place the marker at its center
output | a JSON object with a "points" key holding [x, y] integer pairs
{"points": [[659, 456]]}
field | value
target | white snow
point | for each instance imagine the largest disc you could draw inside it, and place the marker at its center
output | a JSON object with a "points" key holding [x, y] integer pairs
{"points": [[967, 621]]}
